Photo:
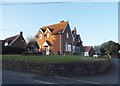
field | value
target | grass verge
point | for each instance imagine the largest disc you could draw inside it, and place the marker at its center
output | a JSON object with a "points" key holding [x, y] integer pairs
{"points": [[51, 58]]}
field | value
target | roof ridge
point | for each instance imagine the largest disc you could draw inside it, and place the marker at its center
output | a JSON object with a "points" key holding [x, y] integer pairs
{"points": [[11, 37], [55, 24]]}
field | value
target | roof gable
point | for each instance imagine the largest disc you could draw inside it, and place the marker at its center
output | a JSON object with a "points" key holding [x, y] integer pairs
{"points": [[48, 29], [87, 48]]}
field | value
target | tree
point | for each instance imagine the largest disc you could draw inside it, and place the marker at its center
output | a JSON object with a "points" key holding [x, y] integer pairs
{"points": [[30, 39], [109, 48], [97, 49]]}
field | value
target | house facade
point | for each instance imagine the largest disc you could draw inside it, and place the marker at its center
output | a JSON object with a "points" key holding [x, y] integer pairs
{"points": [[55, 39]]}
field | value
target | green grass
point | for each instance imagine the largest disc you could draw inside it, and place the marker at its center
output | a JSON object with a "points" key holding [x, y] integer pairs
{"points": [[51, 58]]}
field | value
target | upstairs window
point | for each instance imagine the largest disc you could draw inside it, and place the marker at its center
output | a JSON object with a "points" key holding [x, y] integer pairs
{"points": [[40, 36], [48, 35], [67, 35]]}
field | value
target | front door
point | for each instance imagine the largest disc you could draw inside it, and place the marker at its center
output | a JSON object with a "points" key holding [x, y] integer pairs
{"points": [[47, 51]]}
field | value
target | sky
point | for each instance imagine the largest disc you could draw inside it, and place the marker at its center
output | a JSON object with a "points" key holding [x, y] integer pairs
{"points": [[96, 22]]}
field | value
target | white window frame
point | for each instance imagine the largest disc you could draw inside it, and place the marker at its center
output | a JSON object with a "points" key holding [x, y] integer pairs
{"points": [[74, 49], [67, 35], [48, 35], [40, 36], [68, 47], [6, 44]]}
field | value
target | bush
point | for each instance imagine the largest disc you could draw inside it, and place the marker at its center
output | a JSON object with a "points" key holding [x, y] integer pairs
{"points": [[31, 53], [12, 50]]}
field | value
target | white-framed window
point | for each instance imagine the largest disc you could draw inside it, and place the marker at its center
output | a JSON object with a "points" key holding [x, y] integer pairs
{"points": [[86, 54], [68, 47], [48, 35], [67, 35], [74, 49], [6, 44], [40, 36]]}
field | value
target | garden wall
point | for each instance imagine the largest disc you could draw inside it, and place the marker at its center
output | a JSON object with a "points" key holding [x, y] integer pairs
{"points": [[86, 68]]}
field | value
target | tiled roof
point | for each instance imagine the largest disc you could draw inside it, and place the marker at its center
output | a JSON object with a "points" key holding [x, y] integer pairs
{"points": [[32, 44], [87, 48], [55, 28], [11, 39]]}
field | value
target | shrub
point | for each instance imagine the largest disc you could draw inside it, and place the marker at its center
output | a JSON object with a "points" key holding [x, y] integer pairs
{"points": [[31, 53], [12, 50]]}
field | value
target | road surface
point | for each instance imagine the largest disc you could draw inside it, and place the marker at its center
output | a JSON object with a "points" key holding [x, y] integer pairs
{"points": [[109, 77]]}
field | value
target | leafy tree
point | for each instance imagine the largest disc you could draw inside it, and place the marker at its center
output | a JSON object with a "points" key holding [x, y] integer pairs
{"points": [[110, 48], [97, 49]]}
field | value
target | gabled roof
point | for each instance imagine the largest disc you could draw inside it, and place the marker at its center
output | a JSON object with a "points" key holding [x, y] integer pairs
{"points": [[87, 48], [11, 39], [56, 28], [32, 44]]}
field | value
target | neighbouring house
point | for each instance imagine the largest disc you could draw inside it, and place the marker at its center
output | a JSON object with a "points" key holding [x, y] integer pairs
{"points": [[57, 39], [89, 51], [15, 41], [32, 46], [14, 44], [77, 43]]}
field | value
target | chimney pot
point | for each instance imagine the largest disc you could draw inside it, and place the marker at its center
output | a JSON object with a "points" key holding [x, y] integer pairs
{"points": [[21, 33]]}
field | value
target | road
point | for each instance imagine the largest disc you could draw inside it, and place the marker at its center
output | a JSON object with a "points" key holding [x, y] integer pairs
{"points": [[109, 77]]}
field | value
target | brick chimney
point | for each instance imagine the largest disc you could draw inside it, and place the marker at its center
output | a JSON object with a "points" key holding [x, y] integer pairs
{"points": [[21, 33], [74, 30], [62, 21]]}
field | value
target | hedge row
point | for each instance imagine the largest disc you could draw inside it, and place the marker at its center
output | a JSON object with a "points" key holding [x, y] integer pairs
{"points": [[12, 50]]}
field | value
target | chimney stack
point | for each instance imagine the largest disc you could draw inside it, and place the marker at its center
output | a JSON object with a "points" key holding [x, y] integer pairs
{"points": [[21, 33], [75, 30], [62, 21]]}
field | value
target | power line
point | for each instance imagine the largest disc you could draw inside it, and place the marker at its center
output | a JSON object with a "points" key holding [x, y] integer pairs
{"points": [[31, 3]]}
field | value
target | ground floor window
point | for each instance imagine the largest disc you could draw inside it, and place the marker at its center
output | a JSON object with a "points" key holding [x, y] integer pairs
{"points": [[68, 47]]}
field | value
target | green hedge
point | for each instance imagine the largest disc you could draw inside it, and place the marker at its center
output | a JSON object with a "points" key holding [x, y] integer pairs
{"points": [[12, 50]]}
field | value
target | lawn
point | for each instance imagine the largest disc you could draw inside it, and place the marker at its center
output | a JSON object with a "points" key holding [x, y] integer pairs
{"points": [[51, 58]]}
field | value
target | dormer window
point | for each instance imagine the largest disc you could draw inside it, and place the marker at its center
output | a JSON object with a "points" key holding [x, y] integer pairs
{"points": [[67, 35], [40, 36]]}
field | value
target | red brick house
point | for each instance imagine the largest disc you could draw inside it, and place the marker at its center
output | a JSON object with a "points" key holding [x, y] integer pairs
{"points": [[56, 39]]}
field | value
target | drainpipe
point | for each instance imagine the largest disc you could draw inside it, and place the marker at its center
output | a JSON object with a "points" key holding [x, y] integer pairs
{"points": [[60, 42]]}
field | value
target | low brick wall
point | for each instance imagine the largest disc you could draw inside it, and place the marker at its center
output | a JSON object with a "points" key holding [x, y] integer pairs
{"points": [[87, 68]]}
